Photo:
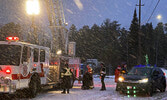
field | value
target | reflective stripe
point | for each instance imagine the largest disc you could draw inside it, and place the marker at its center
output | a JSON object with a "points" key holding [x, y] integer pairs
{"points": [[102, 72], [62, 74], [68, 72], [20, 76]]}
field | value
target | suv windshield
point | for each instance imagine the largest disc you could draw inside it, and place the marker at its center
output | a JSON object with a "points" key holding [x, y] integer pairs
{"points": [[10, 54], [140, 71]]}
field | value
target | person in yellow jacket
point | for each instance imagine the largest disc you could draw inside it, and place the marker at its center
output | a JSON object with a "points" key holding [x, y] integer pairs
{"points": [[66, 76]]}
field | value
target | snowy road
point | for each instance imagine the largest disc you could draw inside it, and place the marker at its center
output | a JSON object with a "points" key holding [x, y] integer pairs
{"points": [[110, 94]]}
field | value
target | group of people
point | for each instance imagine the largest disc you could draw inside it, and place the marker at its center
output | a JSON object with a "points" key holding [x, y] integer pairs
{"points": [[120, 70], [88, 77], [87, 80]]}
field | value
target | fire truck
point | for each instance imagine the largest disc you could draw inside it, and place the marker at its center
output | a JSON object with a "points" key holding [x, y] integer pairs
{"points": [[24, 65]]}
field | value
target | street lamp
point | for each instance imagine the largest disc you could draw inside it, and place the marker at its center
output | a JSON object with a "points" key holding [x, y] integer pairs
{"points": [[32, 8], [59, 52], [159, 17]]}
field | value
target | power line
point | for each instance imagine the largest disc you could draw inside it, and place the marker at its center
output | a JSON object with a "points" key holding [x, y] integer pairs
{"points": [[153, 11], [146, 13]]}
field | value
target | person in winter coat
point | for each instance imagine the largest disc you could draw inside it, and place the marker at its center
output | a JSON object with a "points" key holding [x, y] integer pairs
{"points": [[66, 76], [86, 81], [124, 69], [90, 71], [102, 76], [117, 73]]}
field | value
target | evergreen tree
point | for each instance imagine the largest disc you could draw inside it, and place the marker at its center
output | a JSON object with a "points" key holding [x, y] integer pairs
{"points": [[123, 45], [160, 44], [73, 33], [110, 41], [10, 29], [95, 37], [83, 44], [133, 40], [148, 43]]}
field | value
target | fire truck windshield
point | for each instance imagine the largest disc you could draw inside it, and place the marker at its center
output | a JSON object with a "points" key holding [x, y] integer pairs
{"points": [[10, 54]]}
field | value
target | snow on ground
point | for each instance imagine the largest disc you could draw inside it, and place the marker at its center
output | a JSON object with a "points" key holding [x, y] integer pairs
{"points": [[94, 94]]}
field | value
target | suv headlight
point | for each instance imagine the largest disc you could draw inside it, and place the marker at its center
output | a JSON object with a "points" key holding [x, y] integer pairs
{"points": [[121, 79], [145, 80]]}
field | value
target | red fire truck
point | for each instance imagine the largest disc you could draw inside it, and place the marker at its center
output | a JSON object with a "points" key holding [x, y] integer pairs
{"points": [[24, 65]]}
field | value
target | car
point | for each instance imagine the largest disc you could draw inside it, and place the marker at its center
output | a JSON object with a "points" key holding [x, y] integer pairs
{"points": [[142, 80], [165, 73]]}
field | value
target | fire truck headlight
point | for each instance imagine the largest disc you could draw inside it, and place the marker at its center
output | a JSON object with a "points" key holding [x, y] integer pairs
{"points": [[145, 80], [121, 79], [7, 80]]}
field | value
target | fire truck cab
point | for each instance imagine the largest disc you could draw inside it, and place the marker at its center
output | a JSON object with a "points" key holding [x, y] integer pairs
{"points": [[24, 65]]}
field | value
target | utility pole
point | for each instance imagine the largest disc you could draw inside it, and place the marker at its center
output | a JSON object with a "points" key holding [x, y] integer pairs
{"points": [[139, 34]]}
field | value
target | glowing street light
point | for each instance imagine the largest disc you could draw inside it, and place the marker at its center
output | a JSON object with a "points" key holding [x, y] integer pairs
{"points": [[159, 17], [32, 7], [59, 52]]}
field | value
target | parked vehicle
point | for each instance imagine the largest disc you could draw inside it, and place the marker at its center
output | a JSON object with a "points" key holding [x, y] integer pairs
{"points": [[142, 79], [24, 65]]}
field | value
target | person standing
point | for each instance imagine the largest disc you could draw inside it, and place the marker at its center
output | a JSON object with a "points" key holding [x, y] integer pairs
{"points": [[102, 76], [90, 71], [124, 69], [86, 81], [66, 76], [117, 73]]}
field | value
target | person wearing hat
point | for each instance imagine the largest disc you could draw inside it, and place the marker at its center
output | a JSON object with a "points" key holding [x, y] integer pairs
{"points": [[66, 76], [117, 73], [90, 72], [124, 69]]}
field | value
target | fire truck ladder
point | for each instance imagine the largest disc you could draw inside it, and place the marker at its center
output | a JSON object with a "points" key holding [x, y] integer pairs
{"points": [[57, 25]]}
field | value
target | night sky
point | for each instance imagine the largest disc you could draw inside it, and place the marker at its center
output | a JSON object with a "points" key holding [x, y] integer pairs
{"points": [[89, 12], [86, 12]]}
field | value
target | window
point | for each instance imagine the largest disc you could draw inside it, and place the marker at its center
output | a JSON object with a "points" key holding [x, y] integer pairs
{"points": [[42, 55], [160, 71], [156, 72], [36, 53], [26, 54], [10, 54]]}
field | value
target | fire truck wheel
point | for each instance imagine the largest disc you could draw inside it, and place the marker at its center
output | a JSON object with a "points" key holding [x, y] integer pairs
{"points": [[38, 84], [34, 86]]}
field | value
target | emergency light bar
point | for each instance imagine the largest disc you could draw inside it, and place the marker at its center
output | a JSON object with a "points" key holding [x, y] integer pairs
{"points": [[148, 65], [8, 71], [12, 38]]}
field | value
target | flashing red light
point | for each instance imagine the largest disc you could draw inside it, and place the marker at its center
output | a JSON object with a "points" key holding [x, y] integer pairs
{"points": [[35, 65], [165, 74], [51, 63], [56, 63], [8, 71], [12, 38]]}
